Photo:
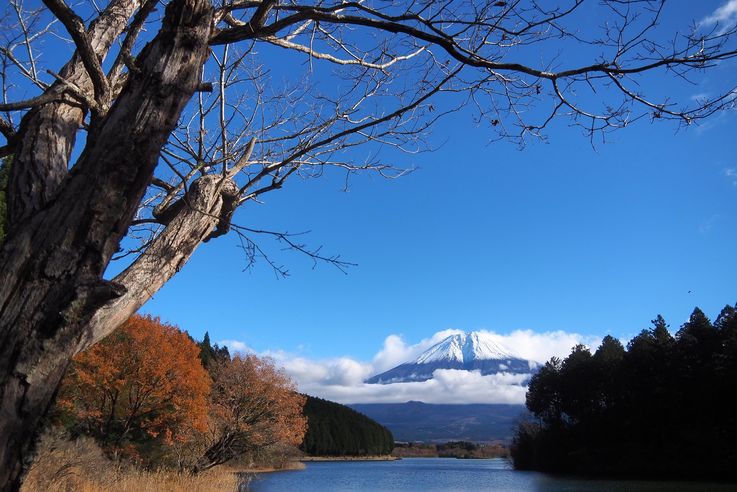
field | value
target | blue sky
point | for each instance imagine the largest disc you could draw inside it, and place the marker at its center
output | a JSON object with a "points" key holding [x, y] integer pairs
{"points": [[556, 236]]}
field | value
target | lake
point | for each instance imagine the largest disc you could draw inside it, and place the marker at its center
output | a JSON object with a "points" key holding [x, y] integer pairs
{"points": [[447, 475]]}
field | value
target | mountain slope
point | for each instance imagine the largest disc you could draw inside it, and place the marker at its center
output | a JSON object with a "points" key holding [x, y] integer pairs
{"points": [[338, 430], [464, 351], [417, 421]]}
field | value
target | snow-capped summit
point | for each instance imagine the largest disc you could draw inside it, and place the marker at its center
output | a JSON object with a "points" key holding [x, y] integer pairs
{"points": [[465, 347], [464, 351]]}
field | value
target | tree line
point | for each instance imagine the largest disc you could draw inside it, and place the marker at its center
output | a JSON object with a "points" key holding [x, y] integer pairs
{"points": [[451, 449], [337, 430], [661, 407]]}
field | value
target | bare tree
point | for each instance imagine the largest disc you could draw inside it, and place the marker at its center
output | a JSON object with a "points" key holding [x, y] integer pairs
{"points": [[183, 120]]}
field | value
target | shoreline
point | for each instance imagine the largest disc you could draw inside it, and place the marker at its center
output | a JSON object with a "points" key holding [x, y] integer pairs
{"points": [[288, 466], [299, 464], [387, 457]]}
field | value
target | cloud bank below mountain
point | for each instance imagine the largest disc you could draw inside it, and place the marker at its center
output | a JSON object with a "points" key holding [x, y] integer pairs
{"points": [[342, 379]]}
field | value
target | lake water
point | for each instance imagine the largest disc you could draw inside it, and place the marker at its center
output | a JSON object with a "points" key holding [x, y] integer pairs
{"points": [[447, 475]]}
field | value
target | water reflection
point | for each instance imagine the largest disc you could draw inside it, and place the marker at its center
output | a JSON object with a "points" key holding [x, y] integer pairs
{"points": [[448, 475]]}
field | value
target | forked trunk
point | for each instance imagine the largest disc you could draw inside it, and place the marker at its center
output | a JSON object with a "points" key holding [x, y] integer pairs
{"points": [[48, 132], [52, 263]]}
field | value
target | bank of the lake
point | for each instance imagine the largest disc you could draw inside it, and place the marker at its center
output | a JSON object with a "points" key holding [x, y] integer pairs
{"points": [[383, 457], [449, 474]]}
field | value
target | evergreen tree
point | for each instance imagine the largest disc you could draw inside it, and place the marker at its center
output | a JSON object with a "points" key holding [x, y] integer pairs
{"points": [[336, 430], [544, 395], [207, 352], [660, 331], [662, 408], [610, 352], [212, 355], [578, 387], [697, 339], [607, 361], [222, 354], [725, 369]]}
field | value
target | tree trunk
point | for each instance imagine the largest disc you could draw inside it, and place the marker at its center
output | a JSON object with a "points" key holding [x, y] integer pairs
{"points": [[165, 256], [52, 263], [48, 132]]}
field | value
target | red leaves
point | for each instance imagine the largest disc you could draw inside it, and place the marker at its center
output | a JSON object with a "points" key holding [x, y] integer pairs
{"points": [[143, 381], [251, 396]]}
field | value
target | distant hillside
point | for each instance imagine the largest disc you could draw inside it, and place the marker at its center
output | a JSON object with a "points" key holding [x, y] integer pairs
{"points": [[418, 421], [337, 430]]}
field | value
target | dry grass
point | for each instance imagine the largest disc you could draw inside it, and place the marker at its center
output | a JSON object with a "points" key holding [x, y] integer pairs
{"points": [[80, 466], [146, 481]]}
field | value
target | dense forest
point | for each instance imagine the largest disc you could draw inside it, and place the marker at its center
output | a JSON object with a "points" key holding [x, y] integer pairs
{"points": [[336, 430], [451, 449], [662, 407]]}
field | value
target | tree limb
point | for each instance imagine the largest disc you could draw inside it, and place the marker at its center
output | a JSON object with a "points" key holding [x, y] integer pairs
{"points": [[75, 27]]}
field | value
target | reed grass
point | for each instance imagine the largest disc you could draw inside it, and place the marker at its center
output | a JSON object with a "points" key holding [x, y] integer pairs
{"points": [[80, 466]]}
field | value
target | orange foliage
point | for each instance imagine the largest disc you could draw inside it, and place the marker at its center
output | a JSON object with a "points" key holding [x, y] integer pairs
{"points": [[253, 405], [252, 396], [143, 382]]}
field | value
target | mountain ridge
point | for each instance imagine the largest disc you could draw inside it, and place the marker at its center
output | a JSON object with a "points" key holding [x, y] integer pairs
{"points": [[416, 421]]}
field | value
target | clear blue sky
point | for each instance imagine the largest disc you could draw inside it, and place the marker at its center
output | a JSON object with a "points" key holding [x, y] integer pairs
{"points": [[557, 236]]}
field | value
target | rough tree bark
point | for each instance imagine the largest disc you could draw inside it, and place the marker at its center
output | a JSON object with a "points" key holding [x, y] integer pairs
{"points": [[48, 132], [196, 222], [53, 262]]}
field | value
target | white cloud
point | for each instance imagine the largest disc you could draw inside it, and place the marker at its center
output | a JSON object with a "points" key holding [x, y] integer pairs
{"points": [[540, 347], [725, 16], [707, 225], [341, 378], [700, 96], [304, 370], [448, 386], [235, 346], [395, 351], [731, 174], [348, 372]]}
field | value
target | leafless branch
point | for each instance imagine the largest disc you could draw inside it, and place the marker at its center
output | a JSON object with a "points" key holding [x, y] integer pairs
{"points": [[76, 28], [389, 64], [253, 250]]}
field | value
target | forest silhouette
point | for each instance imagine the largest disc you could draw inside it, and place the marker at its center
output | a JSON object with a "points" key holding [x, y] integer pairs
{"points": [[659, 408]]}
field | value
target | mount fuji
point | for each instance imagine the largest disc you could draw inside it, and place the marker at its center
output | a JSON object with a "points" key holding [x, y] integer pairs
{"points": [[475, 351]]}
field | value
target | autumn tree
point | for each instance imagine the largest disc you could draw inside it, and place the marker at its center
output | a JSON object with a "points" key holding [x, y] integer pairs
{"points": [[182, 124], [253, 405], [143, 383]]}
